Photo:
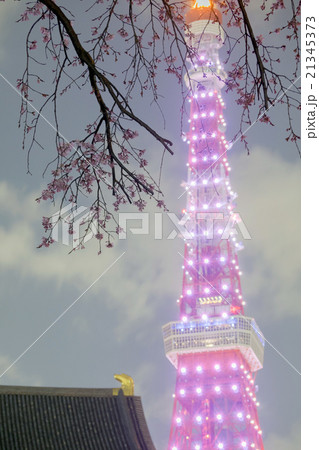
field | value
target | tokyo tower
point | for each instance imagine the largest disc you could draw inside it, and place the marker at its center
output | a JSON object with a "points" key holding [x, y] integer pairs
{"points": [[214, 347]]}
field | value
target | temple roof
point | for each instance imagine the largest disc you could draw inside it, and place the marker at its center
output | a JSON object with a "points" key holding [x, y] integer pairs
{"points": [[71, 418]]}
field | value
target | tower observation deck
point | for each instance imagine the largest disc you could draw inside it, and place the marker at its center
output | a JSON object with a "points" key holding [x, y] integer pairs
{"points": [[215, 348]]}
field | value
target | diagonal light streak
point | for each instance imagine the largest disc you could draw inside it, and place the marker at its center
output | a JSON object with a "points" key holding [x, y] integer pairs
{"points": [[244, 318], [60, 316], [54, 128], [244, 132]]}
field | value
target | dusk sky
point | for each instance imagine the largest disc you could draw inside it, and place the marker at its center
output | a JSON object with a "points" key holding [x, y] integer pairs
{"points": [[115, 326]]}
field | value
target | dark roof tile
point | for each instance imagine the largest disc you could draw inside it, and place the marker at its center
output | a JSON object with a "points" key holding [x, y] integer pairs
{"points": [[71, 419]]}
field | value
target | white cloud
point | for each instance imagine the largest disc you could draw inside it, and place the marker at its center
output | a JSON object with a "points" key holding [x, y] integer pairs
{"points": [[269, 203], [14, 375], [9, 13], [144, 270], [279, 442]]}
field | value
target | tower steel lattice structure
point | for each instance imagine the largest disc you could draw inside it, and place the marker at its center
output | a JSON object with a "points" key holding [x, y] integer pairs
{"points": [[215, 348]]}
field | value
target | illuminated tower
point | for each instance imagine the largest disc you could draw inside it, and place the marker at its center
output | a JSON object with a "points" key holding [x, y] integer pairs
{"points": [[215, 348]]}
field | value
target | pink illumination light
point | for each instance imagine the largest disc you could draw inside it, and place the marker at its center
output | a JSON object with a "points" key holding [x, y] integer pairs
{"points": [[211, 403]]}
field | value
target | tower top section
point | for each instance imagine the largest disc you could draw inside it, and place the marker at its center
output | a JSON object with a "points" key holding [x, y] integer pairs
{"points": [[203, 10]]}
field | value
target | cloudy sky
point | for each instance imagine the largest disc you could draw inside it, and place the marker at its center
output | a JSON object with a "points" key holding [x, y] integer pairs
{"points": [[116, 325]]}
